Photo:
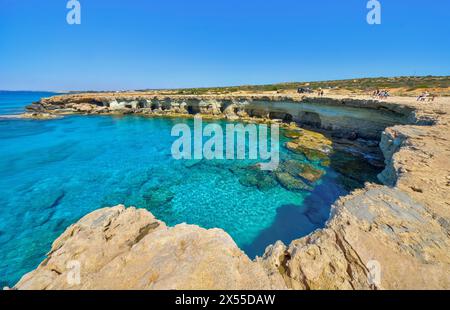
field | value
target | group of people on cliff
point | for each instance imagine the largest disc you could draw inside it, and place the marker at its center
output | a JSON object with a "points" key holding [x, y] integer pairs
{"points": [[426, 96], [380, 94]]}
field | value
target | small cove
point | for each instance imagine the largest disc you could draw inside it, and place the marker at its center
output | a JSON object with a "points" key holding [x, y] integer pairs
{"points": [[54, 172]]}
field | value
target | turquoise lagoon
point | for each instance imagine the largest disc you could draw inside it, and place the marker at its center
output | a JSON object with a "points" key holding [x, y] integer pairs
{"points": [[53, 172]]}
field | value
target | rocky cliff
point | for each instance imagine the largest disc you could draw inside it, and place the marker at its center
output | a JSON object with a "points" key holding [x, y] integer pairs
{"points": [[119, 248], [342, 117]]}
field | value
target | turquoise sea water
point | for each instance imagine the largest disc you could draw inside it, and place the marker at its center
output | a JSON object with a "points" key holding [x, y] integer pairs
{"points": [[54, 172]]}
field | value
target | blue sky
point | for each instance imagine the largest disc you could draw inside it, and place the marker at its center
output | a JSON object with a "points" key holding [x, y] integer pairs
{"points": [[139, 44]]}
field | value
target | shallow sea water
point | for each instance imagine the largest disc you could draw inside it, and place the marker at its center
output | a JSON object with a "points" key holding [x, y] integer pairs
{"points": [[54, 172]]}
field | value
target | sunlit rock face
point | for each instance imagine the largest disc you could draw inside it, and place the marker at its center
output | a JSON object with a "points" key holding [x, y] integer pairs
{"points": [[314, 146], [119, 248], [344, 121]]}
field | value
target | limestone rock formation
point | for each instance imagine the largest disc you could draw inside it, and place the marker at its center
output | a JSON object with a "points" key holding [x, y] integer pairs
{"points": [[376, 224], [325, 113], [127, 248], [291, 183], [38, 115], [301, 169], [230, 112], [313, 145]]}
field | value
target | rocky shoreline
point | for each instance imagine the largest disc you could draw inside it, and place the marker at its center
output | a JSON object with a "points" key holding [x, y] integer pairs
{"points": [[403, 226], [342, 117]]}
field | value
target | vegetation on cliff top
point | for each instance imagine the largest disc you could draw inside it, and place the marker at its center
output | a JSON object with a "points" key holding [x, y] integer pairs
{"points": [[401, 86], [408, 83]]}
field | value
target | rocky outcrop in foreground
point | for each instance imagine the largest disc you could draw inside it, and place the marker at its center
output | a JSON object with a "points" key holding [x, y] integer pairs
{"points": [[119, 248]]}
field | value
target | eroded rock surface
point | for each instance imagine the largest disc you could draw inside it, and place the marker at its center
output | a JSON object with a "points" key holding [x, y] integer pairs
{"points": [[313, 145], [378, 224], [337, 115], [119, 248]]}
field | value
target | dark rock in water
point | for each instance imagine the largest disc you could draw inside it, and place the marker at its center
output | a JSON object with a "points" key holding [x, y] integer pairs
{"points": [[349, 184], [354, 170], [158, 197], [262, 182], [311, 174], [293, 167], [370, 143], [118, 196], [360, 147], [192, 162], [291, 183], [304, 170], [156, 192], [57, 200], [315, 155], [252, 176], [292, 134], [42, 201], [352, 136]]}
